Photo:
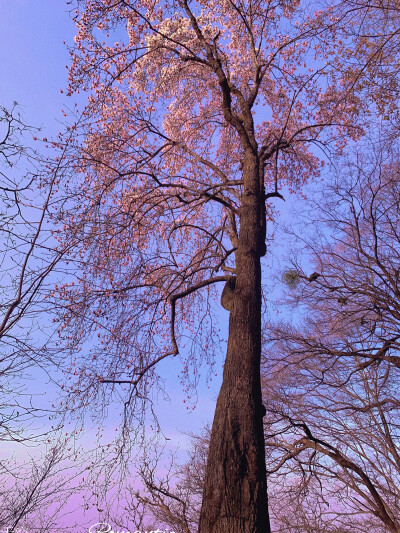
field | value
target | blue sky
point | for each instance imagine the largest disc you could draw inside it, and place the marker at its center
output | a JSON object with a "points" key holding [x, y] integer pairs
{"points": [[33, 58]]}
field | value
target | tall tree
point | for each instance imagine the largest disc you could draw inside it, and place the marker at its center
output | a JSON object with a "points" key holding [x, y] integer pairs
{"points": [[330, 384], [198, 114]]}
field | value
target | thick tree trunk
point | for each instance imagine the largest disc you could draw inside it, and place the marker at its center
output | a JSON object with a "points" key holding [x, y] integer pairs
{"points": [[235, 494]]}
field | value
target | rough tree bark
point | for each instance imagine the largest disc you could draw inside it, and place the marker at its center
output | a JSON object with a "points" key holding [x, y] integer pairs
{"points": [[236, 457]]}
